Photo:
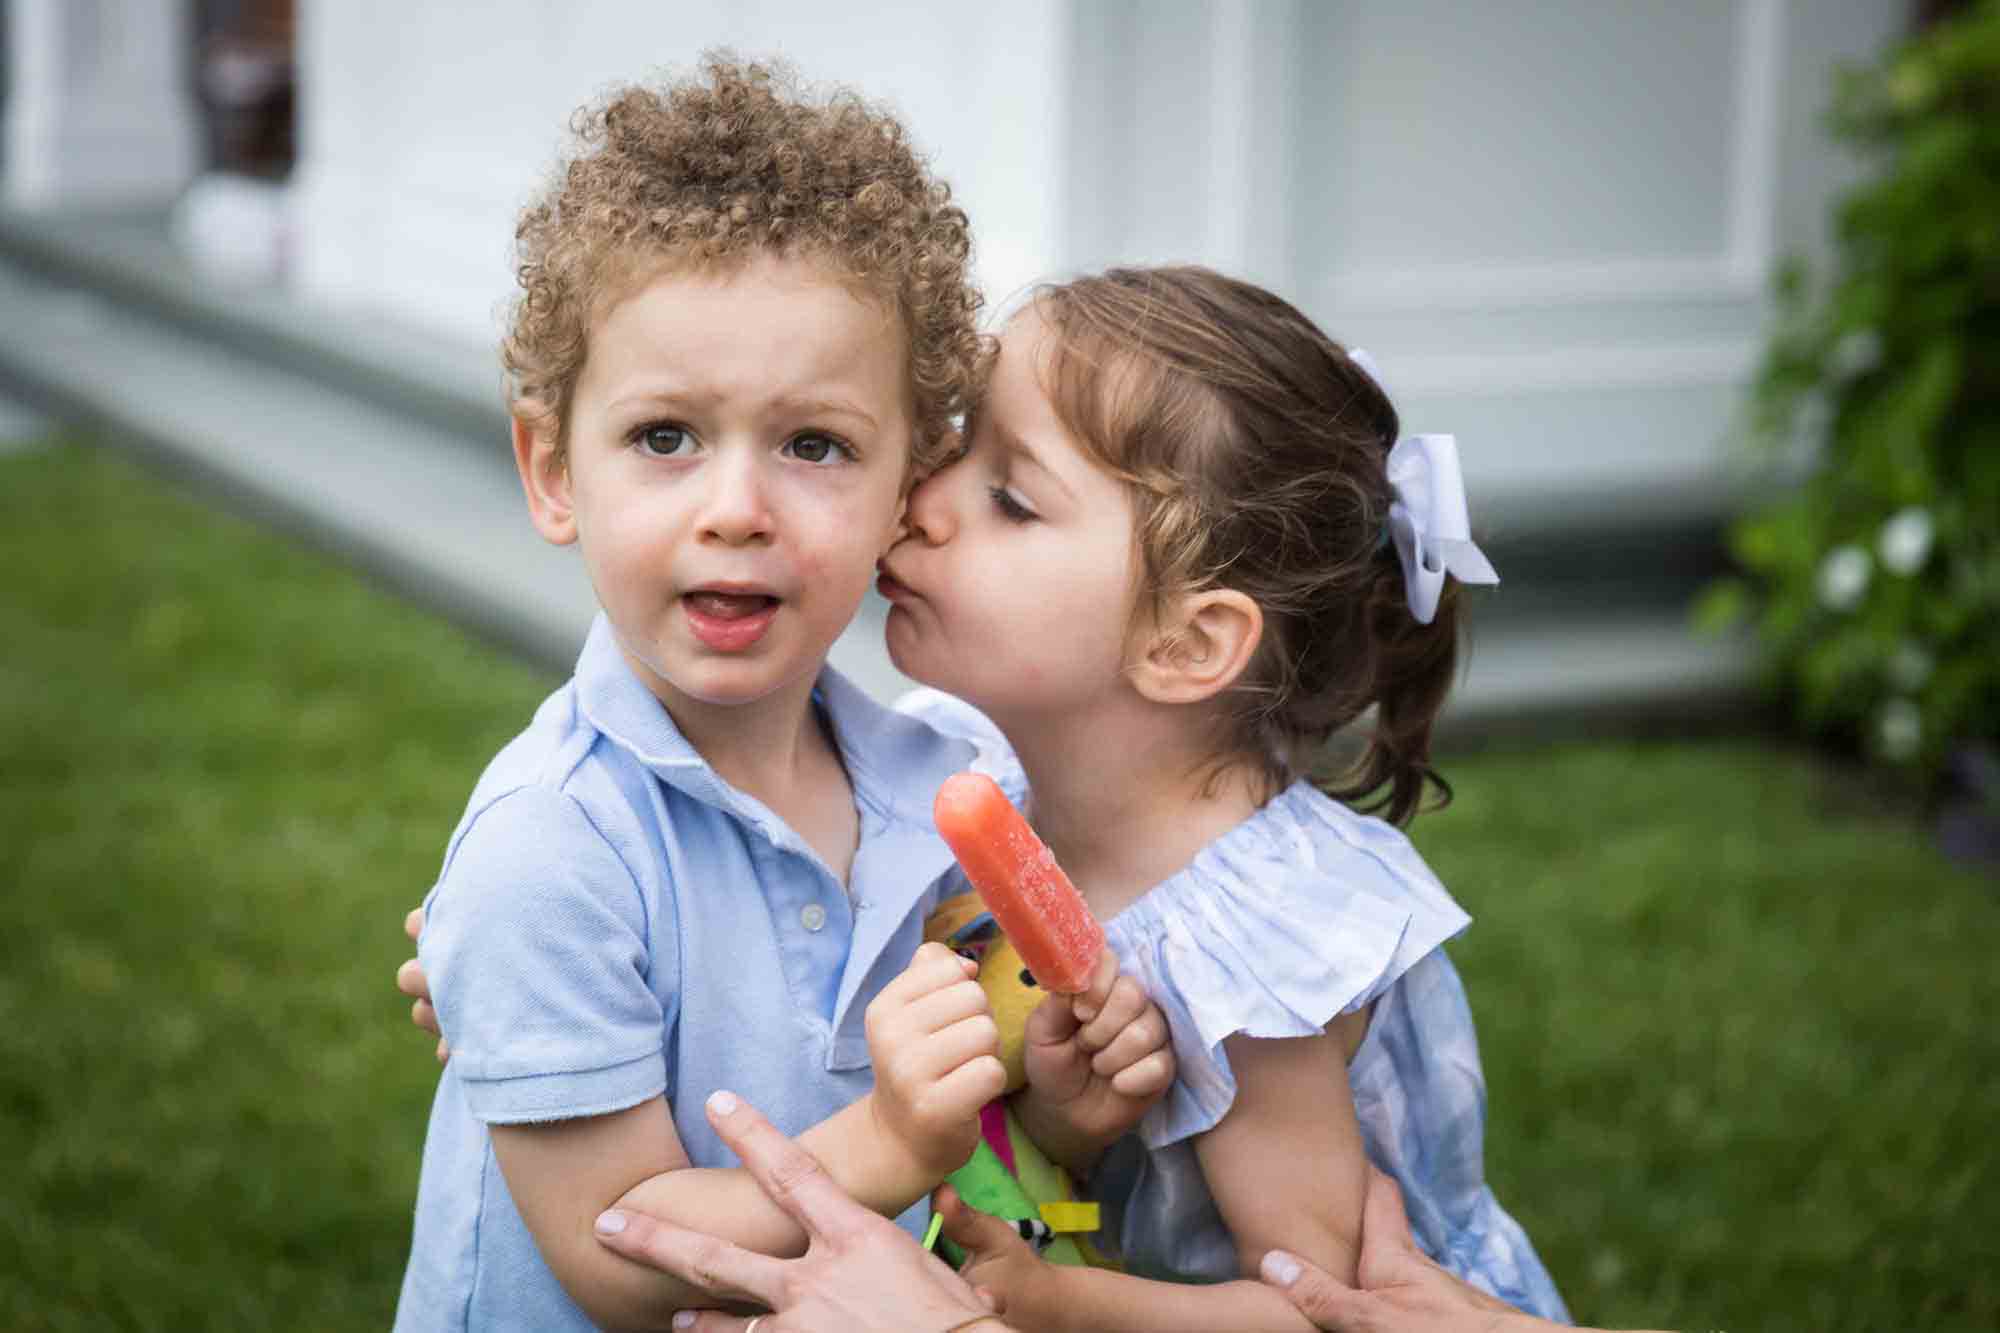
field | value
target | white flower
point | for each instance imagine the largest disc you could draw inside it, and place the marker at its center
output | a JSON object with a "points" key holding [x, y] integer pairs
{"points": [[1857, 354], [1843, 577], [1905, 541], [1910, 666], [1900, 728]]}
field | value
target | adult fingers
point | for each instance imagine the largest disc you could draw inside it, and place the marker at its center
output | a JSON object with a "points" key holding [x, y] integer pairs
{"points": [[1326, 1301], [723, 1270], [718, 1321], [413, 924], [791, 1176], [1385, 1229], [410, 979]]}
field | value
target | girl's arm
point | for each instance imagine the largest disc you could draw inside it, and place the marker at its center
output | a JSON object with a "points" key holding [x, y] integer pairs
{"points": [[931, 1039], [1287, 1171]]}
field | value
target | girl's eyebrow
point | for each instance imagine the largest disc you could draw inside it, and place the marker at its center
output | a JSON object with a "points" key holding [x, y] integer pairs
{"points": [[812, 406], [1020, 448]]}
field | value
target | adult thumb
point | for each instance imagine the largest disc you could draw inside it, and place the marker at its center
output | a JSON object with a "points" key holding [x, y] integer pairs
{"points": [[1331, 1304]]}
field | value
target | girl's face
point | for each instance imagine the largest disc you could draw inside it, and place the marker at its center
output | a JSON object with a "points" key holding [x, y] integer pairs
{"points": [[1016, 585], [738, 444]]}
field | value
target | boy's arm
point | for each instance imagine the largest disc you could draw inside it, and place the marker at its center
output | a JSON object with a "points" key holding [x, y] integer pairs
{"points": [[564, 1173], [931, 1038]]}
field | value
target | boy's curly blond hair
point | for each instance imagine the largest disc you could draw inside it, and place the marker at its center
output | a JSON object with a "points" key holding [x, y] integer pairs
{"points": [[711, 170]]}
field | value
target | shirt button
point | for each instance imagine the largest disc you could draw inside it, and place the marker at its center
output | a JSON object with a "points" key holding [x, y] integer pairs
{"points": [[812, 916]]}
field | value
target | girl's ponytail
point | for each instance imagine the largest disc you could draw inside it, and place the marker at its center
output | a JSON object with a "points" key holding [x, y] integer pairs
{"points": [[1413, 668]]}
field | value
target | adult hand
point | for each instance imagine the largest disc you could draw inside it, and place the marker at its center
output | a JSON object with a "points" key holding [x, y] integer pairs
{"points": [[410, 980], [1402, 1290], [860, 1271]]}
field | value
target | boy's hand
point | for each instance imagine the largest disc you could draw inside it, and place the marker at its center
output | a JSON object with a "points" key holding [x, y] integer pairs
{"points": [[1096, 1063], [410, 980], [935, 1048]]}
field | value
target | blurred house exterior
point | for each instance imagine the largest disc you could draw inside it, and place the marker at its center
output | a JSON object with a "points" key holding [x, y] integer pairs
{"points": [[1553, 222]]}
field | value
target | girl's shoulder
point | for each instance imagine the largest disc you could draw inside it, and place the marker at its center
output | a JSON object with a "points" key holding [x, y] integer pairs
{"points": [[1303, 912]]}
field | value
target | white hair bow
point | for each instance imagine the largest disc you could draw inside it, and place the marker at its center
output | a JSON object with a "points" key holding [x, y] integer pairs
{"points": [[1428, 520]]}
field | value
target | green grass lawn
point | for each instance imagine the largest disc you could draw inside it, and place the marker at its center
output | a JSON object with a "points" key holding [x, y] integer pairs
{"points": [[1738, 1020]]}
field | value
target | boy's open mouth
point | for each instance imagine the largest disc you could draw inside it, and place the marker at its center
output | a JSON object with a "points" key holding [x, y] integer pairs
{"points": [[729, 622], [729, 605]]}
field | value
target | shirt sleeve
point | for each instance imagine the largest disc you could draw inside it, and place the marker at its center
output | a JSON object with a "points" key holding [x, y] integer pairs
{"points": [[536, 943], [1274, 930]]}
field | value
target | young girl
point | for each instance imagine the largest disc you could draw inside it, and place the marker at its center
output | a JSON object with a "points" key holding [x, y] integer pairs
{"points": [[745, 325], [1182, 549]]}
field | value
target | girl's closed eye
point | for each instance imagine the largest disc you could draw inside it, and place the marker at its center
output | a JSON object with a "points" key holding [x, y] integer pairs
{"points": [[662, 439], [1011, 506], [819, 448]]}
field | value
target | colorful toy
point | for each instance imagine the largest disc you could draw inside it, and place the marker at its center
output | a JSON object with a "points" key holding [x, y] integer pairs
{"points": [[1007, 1175]]}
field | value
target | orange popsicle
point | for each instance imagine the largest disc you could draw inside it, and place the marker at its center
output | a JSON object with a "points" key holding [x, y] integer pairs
{"points": [[1017, 877]]}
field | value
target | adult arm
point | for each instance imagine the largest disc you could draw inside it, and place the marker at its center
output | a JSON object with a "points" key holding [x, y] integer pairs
{"points": [[859, 1274]]}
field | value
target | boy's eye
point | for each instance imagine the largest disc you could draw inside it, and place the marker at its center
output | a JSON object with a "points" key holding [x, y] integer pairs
{"points": [[814, 447], [1010, 508], [662, 439]]}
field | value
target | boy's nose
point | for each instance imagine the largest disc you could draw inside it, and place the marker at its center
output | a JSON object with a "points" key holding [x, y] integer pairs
{"points": [[737, 510]]}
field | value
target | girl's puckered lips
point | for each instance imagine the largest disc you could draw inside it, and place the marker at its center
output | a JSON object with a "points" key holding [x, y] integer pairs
{"points": [[892, 588]]}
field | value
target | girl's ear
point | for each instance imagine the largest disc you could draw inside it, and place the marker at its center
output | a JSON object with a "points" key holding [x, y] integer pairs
{"points": [[544, 473], [1200, 648]]}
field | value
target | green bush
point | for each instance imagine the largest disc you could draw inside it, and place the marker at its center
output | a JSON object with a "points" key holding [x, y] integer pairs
{"points": [[1874, 585]]}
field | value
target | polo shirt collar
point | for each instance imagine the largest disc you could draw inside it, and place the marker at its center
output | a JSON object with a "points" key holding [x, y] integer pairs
{"points": [[895, 762]]}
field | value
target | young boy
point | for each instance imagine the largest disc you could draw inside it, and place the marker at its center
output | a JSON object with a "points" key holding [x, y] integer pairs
{"points": [[745, 327]]}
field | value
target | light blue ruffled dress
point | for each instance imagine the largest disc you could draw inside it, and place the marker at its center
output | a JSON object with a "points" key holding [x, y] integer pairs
{"points": [[1304, 911]]}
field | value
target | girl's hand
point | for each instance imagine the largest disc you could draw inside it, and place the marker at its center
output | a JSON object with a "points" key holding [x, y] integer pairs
{"points": [[860, 1272], [1004, 1269], [410, 980], [1096, 1063], [935, 1048]]}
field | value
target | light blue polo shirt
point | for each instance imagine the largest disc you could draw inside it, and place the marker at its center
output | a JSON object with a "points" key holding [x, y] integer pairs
{"points": [[612, 921]]}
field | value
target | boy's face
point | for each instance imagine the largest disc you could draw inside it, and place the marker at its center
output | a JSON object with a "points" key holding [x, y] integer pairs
{"points": [[738, 443], [1016, 586]]}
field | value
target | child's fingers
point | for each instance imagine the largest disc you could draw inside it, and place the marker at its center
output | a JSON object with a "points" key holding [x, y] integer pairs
{"points": [[1050, 1023], [1141, 1037], [1102, 977], [425, 1017], [932, 967], [1145, 1078], [972, 1084], [980, 1235], [413, 924], [1122, 1008], [943, 1007]]}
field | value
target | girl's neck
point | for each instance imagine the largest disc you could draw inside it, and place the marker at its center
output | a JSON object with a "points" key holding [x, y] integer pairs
{"points": [[1126, 797]]}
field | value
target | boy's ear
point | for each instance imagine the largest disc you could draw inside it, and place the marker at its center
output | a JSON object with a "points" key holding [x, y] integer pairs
{"points": [[544, 474], [1200, 647]]}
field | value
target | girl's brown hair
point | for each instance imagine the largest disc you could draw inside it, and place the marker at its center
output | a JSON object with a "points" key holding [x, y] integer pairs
{"points": [[736, 161], [1257, 452]]}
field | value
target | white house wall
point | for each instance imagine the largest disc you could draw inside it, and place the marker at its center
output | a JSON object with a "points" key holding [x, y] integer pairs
{"points": [[1553, 221]]}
